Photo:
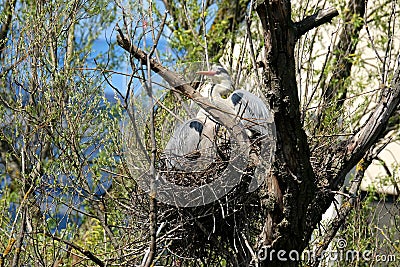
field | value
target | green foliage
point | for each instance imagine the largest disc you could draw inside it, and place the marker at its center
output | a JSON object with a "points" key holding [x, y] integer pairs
{"points": [[60, 138], [376, 234], [55, 128], [197, 29]]}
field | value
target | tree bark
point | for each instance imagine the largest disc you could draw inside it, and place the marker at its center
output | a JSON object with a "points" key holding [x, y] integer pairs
{"points": [[296, 196], [293, 185]]}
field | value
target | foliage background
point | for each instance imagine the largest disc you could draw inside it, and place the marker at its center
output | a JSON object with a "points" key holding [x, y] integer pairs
{"points": [[66, 194]]}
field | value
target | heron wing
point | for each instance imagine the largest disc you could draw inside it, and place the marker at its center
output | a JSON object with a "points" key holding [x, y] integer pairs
{"points": [[191, 144], [186, 138], [252, 110]]}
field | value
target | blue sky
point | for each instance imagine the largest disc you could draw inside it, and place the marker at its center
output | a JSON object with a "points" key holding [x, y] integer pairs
{"points": [[101, 45]]}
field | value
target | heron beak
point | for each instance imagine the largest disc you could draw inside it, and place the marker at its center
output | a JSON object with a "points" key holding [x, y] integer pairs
{"points": [[207, 73]]}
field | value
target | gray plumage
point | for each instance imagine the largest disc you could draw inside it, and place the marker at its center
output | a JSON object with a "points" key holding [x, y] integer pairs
{"points": [[250, 109], [253, 113], [192, 145]]}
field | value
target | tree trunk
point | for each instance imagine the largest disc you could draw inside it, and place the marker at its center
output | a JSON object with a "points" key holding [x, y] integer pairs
{"points": [[293, 185], [296, 195]]}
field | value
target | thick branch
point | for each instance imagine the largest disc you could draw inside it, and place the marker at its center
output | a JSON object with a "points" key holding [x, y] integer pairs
{"points": [[172, 78], [221, 114], [356, 147], [313, 21], [373, 129]]}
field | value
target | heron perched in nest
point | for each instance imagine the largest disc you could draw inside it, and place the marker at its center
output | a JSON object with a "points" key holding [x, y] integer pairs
{"points": [[195, 143], [192, 146], [247, 107]]}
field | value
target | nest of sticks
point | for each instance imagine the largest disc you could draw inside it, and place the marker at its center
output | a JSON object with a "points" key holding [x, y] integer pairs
{"points": [[215, 233]]}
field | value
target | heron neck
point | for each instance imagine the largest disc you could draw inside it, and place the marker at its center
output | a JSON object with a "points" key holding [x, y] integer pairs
{"points": [[218, 90]]}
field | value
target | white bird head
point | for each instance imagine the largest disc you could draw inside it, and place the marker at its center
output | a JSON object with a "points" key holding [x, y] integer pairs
{"points": [[221, 78]]}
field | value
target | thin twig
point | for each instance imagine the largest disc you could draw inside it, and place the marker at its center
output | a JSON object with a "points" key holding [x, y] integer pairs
{"points": [[344, 211], [252, 54], [153, 171], [85, 252]]}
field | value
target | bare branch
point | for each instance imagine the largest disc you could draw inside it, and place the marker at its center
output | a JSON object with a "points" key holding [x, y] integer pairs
{"points": [[322, 16], [334, 90], [20, 239], [153, 171], [153, 233], [7, 250], [375, 126], [157, 38], [221, 114]]}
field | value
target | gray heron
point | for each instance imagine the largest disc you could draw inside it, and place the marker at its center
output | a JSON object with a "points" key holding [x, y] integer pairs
{"points": [[192, 145], [256, 118], [250, 109]]}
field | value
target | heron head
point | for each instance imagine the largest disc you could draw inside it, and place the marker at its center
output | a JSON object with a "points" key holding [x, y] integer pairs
{"points": [[219, 76]]}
